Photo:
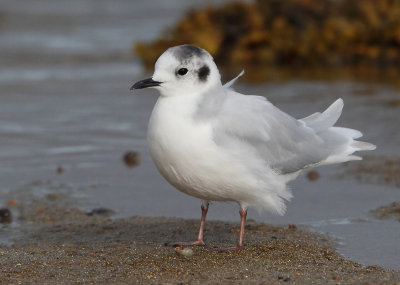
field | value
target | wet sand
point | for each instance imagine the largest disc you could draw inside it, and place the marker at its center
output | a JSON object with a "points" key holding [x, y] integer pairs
{"points": [[391, 211], [377, 169], [65, 245]]}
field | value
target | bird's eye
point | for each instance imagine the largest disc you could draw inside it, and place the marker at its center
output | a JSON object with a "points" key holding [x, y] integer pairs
{"points": [[182, 71]]}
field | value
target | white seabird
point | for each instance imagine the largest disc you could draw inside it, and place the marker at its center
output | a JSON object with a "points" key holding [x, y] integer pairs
{"points": [[216, 144]]}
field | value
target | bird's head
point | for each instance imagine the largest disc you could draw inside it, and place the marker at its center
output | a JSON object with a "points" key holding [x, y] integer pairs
{"points": [[182, 70]]}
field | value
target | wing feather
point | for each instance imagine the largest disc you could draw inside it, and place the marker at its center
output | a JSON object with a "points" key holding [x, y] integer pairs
{"points": [[252, 122]]}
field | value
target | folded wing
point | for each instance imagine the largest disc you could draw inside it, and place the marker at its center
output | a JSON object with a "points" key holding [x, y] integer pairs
{"points": [[284, 143]]}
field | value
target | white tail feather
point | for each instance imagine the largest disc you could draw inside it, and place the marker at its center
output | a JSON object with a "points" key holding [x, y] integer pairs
{"points": [[360, 145], [341, 141], [322, 121]]}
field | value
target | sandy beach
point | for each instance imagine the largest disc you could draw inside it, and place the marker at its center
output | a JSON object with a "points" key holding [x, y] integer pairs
{"points": [[58, 245]]}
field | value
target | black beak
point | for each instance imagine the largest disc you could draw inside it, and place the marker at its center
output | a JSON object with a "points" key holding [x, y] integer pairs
{"points": [[149, 82]]}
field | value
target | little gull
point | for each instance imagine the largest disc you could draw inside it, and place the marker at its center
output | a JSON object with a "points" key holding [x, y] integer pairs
{"points": [[216, 144]]}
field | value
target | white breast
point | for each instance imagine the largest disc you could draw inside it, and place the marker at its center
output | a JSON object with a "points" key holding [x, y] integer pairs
{"points": [[181, 147], [185, 153]]}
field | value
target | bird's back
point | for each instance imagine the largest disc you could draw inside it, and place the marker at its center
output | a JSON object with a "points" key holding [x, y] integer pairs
{"points": [[287, 145]]}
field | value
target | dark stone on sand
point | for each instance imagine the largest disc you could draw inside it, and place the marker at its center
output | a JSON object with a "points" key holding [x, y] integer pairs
{"points": [[312, 175], [131, 158], [393, 103], [101, 212], [391, 211], [335, 277], [285, 279], [5, 216]]}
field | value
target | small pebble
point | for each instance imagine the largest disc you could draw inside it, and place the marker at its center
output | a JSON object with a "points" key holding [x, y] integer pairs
{"points": [[12, 202], [394, 103], [335, 277], [53, 196], [184, 251], [60, 169], [131, 158], [312, 175], [101, 212], [285, 279], [5, 216]]}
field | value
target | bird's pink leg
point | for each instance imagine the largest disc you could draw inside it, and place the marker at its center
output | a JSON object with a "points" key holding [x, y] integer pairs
{"points": [[243, 215], [204, 210], [240, 243], [200, 237]]}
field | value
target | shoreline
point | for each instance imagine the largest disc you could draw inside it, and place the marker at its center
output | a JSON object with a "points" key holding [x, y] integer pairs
{"points": [[65, 245]]}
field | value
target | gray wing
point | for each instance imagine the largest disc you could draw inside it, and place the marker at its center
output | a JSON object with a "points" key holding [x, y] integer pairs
{"points": [[253, 123]]}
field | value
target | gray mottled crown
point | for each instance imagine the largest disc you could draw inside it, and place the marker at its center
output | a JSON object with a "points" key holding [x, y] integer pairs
{"points": [[184, 52]]}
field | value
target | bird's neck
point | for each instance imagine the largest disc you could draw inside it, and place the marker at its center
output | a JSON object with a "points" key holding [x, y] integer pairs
{"points": [[209, 102], [199, 106]]}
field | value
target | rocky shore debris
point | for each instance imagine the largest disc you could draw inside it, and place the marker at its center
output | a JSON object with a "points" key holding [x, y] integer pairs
{"points": [[265, 34], [131, 158], [5, 216], [183, 251], [388, 212], [101, 212], [378, 169], [60, 169], [312, 175]]}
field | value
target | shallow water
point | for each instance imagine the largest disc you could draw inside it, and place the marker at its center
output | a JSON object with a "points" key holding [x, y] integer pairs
{"points": [[65, 102]]}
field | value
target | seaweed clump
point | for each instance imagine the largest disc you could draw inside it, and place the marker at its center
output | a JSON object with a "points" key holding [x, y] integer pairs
{"points": [[312, 33]]}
